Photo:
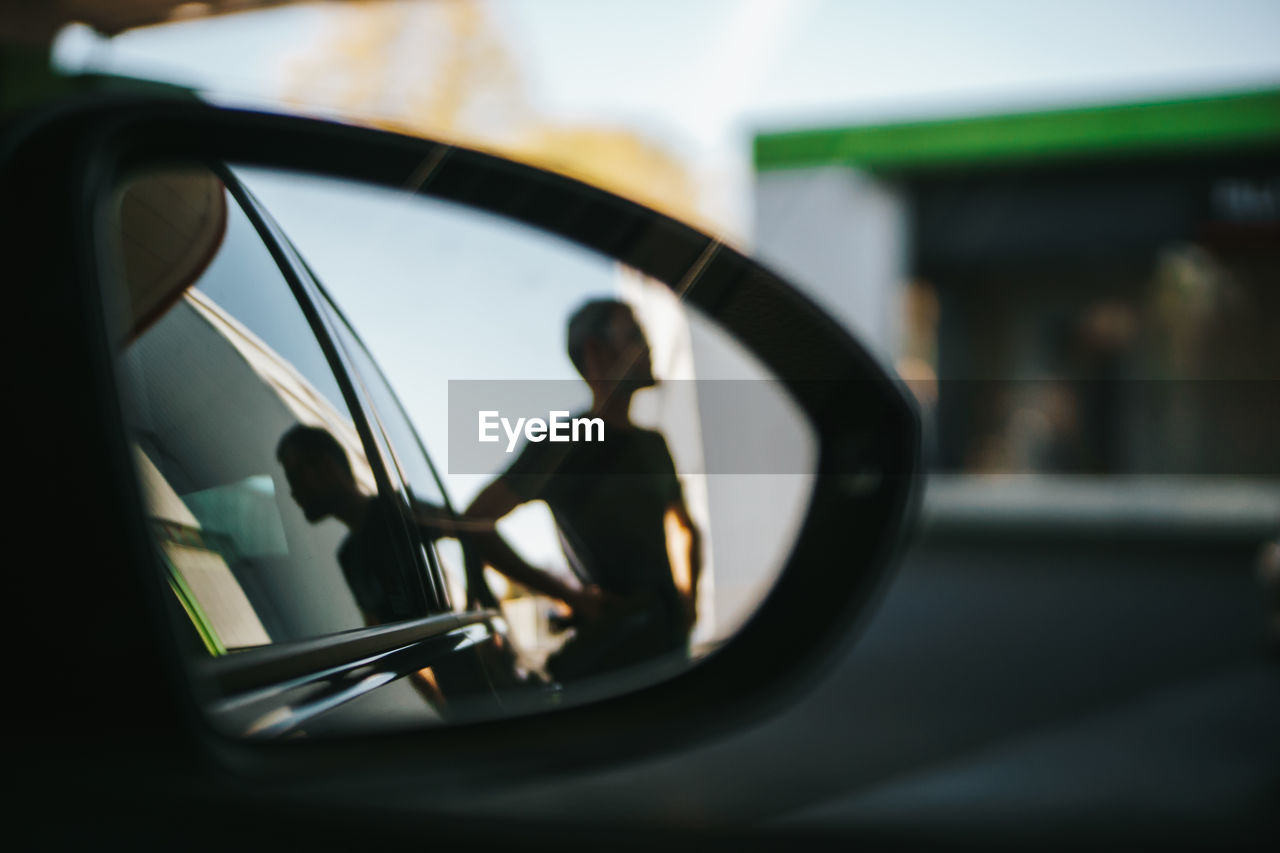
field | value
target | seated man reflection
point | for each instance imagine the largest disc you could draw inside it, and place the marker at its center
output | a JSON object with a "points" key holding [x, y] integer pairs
{"points": [[614, 502], [323, 485]]}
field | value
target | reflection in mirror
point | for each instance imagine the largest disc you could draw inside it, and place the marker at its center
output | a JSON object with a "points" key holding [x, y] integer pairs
{"points": [[421, 462]]}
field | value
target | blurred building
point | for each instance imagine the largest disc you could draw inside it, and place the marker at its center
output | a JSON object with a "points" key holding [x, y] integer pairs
{"points": [[1094, 290]]}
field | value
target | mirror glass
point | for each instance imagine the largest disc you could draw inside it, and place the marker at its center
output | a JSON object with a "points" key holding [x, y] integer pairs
{"points": [[405, 461]]}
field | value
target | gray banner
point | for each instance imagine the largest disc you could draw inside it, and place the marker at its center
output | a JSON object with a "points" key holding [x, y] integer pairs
{"points": [[711, 426]]}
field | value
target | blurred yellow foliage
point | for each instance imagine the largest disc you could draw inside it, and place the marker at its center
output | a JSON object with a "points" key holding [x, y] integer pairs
{"points": [[619, 160], [441, 69]]}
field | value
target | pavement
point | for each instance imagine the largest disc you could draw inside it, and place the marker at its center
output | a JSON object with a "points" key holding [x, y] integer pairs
{"points": [[1051, 677]]}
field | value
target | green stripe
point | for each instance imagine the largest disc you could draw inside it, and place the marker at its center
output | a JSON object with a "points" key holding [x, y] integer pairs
{"points": [[198, 618], [1249, 118]]}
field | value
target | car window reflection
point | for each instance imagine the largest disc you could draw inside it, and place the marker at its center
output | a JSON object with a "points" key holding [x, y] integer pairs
{"points": [[218, 363]]}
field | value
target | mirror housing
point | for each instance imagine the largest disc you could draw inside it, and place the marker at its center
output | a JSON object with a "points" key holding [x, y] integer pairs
{"points": [[862, 507]]}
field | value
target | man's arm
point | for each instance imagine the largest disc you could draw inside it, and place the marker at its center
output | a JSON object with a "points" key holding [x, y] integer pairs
{"points": [[694, 556], [478, 529], [480, 520], [492, 504]]}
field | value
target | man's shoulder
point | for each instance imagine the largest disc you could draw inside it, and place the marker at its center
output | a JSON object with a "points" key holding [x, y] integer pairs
{"points": [[651, 440], [651, 435]]}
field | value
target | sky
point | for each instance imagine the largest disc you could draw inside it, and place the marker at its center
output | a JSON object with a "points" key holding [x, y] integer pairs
{"points": [[702, 77]]}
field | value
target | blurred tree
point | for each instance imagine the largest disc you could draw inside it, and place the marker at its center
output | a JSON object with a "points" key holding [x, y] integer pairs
{"points": [[615, 158], [442, 69]]}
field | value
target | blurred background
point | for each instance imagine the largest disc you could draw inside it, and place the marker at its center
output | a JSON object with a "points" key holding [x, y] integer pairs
{"points": [[1017, 207]]}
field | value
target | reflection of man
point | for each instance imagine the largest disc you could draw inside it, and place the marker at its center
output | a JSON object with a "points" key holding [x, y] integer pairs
{"points": [[614, 501], [323, 485]]}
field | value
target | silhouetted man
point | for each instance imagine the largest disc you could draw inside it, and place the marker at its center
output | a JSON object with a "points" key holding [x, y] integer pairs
{"points": [[613, 501]]}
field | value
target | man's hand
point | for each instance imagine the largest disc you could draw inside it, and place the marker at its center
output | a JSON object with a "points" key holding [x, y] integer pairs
{"points": [[589, 603]]}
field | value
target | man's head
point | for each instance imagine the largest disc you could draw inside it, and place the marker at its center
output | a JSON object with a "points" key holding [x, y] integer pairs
{"points": [[606, 343], [318, 470]]}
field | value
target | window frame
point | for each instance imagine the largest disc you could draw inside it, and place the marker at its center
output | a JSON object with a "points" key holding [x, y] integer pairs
{"points": [[360, 409], [329, 315], [419, 576], [260, 678], [482, 595]]}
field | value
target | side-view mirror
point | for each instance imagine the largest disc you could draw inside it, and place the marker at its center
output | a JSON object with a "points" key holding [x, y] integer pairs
{"points": [[405, 434]]}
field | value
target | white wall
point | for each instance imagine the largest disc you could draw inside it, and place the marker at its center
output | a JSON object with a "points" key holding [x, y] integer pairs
{"points": [[841, 236]]}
